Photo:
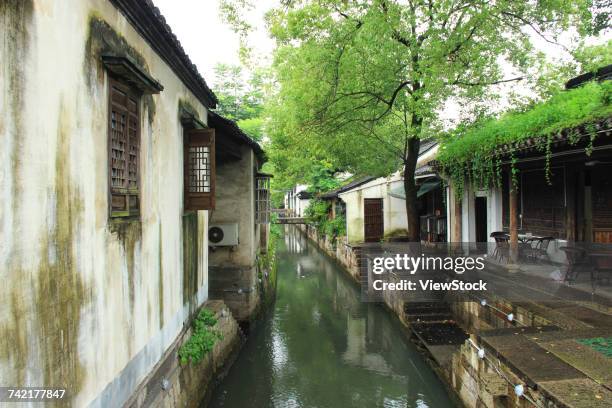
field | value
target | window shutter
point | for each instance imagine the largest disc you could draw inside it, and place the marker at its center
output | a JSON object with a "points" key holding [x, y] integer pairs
{"points": [[199, 163]]}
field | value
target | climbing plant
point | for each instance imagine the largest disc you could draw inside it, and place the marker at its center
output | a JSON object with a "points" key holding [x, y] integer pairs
{"points": [[475, 153]]}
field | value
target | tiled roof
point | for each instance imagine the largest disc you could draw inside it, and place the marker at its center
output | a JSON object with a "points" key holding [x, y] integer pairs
{"points": [[231, 128], [601, 74], [347, 187], [151, 24]]}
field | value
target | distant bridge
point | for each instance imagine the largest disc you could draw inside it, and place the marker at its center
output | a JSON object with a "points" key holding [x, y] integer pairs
{"points": [[290, 220], [285, 216]]}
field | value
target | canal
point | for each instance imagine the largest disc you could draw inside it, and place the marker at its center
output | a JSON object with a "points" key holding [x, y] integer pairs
{"points": [[322, 347]]}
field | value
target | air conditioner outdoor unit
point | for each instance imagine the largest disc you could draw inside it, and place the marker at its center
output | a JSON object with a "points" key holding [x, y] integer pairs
{"points": [[223, 234]]}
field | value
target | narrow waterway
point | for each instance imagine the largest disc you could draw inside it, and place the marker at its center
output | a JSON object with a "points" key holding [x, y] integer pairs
{"points": [[322, 347]]}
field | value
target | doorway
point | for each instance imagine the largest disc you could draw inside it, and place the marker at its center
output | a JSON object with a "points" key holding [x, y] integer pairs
{"points": [[480, 214], [373, 223]]}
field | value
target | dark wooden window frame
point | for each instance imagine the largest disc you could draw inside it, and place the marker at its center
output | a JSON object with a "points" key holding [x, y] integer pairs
{"points": [[262, 199], [124, 202], [198, 197]]}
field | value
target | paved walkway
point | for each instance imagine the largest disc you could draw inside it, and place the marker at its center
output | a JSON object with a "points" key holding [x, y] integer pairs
{"points": [[570, 359]]}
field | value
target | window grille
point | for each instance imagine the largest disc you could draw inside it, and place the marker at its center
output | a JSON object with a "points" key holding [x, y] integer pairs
{"points": [[199, 169], [124, 150], [199, 162], [262, 199]]}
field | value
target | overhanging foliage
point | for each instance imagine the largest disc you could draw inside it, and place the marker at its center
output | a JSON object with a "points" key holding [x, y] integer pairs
{"points": [[474, 153]]}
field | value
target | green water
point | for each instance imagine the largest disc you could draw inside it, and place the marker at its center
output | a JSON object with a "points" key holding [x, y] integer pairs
{"points": [[322, 347]]}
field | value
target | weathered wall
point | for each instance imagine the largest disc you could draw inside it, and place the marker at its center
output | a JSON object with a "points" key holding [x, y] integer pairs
{"points": [[77, 286], [235, 202], [394, 208], [191, 384], [233, 270]]}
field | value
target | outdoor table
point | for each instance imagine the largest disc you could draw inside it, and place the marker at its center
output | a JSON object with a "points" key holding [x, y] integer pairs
{"points": [[525, 238]]}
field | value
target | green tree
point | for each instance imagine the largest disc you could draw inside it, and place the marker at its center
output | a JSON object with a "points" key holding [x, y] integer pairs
{"points": [[362, 81], [241, 97]]}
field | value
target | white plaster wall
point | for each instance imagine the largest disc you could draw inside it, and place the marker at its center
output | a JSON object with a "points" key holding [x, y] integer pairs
{"points": [[394, 209], [468, 225], [130, 308], [235, 203], [494, 212], [302, 204]]}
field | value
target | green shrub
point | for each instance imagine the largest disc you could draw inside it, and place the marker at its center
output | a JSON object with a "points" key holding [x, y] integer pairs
{"points": [[202, 340], [317, 215], [336, 227]]}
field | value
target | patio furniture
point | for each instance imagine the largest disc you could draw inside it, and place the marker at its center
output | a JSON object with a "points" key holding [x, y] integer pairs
{"points": [[602, 266], [502, 246], [526, 248], [540, 250], [576, 260]]}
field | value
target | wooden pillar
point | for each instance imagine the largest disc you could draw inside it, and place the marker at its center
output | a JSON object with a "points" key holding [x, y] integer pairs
{"points": [[580, 194], [514, 218], [570, 208], [456, 219]]}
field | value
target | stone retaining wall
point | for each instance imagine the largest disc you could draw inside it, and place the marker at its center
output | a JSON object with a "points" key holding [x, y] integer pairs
{"points": [[172, 384]]}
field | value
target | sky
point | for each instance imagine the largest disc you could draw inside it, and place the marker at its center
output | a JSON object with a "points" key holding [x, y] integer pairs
{"points": [[206, 39], [209, 41]]}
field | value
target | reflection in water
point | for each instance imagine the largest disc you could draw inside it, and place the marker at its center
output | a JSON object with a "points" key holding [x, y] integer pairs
{"points": [[322, 347]]}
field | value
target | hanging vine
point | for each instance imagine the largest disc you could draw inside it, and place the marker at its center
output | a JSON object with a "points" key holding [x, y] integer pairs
{"points": [[476, 154]]}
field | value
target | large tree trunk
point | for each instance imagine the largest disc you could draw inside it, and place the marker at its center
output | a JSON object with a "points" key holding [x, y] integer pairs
{"points": [[412, 212]]}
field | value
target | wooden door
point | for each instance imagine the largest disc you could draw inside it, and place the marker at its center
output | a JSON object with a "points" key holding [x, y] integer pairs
{"points": [[480, 212], [373, 219]]}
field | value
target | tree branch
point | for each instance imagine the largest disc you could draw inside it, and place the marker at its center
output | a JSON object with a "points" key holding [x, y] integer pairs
{"points": [[534, 28], [479, 83]]}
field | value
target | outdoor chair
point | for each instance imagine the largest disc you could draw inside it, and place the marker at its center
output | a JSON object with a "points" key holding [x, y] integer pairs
{"points": [[502, 246], [602, 267], [576, 260], [540, 250], [525, 250]]}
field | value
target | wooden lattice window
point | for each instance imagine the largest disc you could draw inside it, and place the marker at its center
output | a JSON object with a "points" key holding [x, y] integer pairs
{"points": [[199, 169], [262, 199], [123, 150]]}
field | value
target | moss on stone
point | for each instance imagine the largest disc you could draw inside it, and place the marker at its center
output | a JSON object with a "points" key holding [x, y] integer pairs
{"points": [[398, 232], [61, 294], [129, 235], [16, 18]]}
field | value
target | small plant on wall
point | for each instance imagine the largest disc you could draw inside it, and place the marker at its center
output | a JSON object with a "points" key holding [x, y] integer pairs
{"points": [[202, 340]]}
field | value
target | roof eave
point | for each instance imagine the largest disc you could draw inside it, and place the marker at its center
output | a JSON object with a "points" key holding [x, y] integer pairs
{"points": [[152, 26]]}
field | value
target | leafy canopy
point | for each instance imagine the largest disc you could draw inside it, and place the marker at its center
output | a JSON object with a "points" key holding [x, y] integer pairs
{"points": [[359, 80], [242, 97]]}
